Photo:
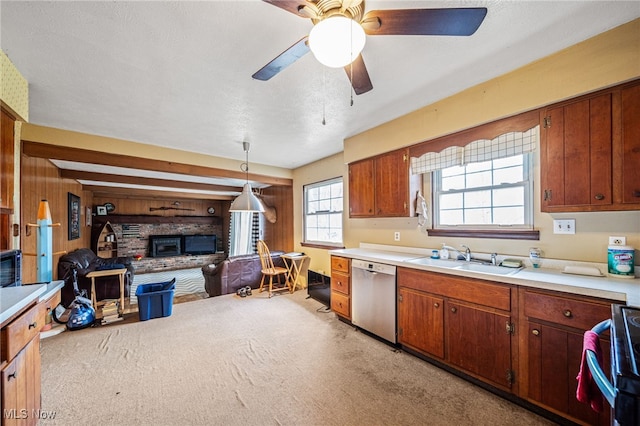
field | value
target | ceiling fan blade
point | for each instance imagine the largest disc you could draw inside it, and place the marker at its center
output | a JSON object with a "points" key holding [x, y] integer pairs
{"points": [[309, 11], [453, 22], [359, 76], [292, 6], [283, 60]]}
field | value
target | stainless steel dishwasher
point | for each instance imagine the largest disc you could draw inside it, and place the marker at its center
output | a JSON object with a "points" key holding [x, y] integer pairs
{"points": [[373, 298]]}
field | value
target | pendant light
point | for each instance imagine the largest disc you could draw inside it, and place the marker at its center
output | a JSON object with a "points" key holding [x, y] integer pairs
{"points": [[246, 201]]}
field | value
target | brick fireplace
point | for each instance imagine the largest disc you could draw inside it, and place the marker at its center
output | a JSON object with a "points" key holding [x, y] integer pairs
{"points": [[133, 239]]}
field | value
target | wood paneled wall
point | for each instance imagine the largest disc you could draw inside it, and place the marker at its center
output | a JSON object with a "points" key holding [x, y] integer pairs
{"points": [[279, 235], [142, 206], [40, 180]]}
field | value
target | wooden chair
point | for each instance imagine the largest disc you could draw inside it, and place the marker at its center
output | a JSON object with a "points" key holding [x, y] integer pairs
{"points": [[269, 270]]}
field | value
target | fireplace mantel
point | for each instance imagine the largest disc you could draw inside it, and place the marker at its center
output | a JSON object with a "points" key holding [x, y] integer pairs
{"points": [[141, 218]]}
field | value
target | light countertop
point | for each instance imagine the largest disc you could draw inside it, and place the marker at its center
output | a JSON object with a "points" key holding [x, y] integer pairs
{"points": [[15, 299], [623, 290]]}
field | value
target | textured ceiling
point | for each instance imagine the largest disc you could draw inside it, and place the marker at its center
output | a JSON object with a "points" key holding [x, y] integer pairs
{"points": [[178, 74]]}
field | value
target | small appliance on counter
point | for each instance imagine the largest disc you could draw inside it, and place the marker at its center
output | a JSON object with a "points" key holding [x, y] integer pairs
{"points": [[10, 268]]}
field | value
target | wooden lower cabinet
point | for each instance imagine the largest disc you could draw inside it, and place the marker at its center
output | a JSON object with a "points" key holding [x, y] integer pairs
{"points": [[479, 341], [21, 387], [551, 335], [341, 286], [463, 322], [421, 321], [20, 376]]}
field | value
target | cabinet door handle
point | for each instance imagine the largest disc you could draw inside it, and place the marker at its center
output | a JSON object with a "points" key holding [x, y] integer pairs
{"points": [[454, 310], [599, 197], [14, 375], [535, 332], [33, 325], [436, 305], [567, 313], [636, 193]]}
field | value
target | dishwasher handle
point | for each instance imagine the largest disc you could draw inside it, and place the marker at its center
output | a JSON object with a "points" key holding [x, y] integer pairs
{"points": [[373, 268]]}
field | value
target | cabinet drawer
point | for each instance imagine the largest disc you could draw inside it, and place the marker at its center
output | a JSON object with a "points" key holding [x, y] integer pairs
{"points": [[50, 304], [580, 314], [341, 304], [340, 264], [341, 282], [471, 290], [16, 335]]}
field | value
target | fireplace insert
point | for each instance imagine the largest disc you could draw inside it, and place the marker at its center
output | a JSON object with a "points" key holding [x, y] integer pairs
{"points": [[165, 245]]}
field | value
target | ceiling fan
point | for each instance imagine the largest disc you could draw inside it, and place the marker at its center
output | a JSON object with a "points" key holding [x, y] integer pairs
{"points": [[333, 17]]}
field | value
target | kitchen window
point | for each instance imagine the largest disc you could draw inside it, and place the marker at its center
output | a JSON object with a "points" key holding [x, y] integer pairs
{"points": [[494, 194], [323, 207]]}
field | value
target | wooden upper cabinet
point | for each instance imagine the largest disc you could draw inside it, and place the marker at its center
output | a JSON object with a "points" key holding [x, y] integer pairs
{"points": [[6, 161], [590, 152], [361, 188], [631, 144], [382, 186], [577, 154]]}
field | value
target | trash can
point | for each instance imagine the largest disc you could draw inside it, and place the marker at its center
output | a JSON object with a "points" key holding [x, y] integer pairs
{"points": [[155, 300]]}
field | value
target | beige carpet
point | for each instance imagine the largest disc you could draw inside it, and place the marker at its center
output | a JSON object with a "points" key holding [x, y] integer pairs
{"points": [[253, 361]]}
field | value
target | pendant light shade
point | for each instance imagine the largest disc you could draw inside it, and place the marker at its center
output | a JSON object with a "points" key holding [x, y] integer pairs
{"points": [[246, 201]]}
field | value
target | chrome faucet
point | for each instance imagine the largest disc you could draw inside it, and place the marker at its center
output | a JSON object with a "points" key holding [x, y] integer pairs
{"points": [[494, 260], [467, 253]]}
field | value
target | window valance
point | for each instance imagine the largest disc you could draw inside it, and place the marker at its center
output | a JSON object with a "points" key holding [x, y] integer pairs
{"points": [[506, 145], [490, 140]]}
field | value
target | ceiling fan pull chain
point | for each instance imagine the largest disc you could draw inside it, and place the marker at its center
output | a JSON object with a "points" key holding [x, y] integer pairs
{"points": [[351, 65], [351, 86], [324, 83]]}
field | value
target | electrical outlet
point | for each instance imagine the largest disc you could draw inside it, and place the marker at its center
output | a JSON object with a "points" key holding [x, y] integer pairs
{"points": [[396, 236], [617, 241], [564, 226]]}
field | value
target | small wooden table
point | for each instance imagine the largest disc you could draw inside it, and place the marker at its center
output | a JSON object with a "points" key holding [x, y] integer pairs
{"points": [[107, 273], [295, 264]]}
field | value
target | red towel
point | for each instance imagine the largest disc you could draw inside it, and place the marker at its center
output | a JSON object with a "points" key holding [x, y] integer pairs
{"points": [[588, 392]]}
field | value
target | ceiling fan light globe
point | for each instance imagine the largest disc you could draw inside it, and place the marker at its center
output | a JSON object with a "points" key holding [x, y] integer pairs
{"points": [[336, 41]]}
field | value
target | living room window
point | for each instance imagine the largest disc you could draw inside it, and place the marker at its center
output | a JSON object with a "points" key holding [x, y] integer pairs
{"points": [[489, 194], [323, 207]]}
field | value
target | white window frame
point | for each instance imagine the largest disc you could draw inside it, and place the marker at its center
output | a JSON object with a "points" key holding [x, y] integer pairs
{"points": [[526, 184], [336, 210]]}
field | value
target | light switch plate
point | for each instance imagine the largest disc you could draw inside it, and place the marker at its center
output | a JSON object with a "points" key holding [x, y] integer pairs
{"points": [[564, 226]]}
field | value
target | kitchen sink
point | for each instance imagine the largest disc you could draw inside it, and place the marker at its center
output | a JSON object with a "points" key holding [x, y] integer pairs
{"points": [[462, 265], [442, 263], [487, 268]]}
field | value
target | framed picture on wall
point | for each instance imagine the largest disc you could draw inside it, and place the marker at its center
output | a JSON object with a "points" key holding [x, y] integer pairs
{"points": [[101, 210], [87, 216], [73, 216]]}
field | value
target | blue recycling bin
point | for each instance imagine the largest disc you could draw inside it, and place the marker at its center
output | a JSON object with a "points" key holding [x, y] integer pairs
{"points": [[155, 300]]}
